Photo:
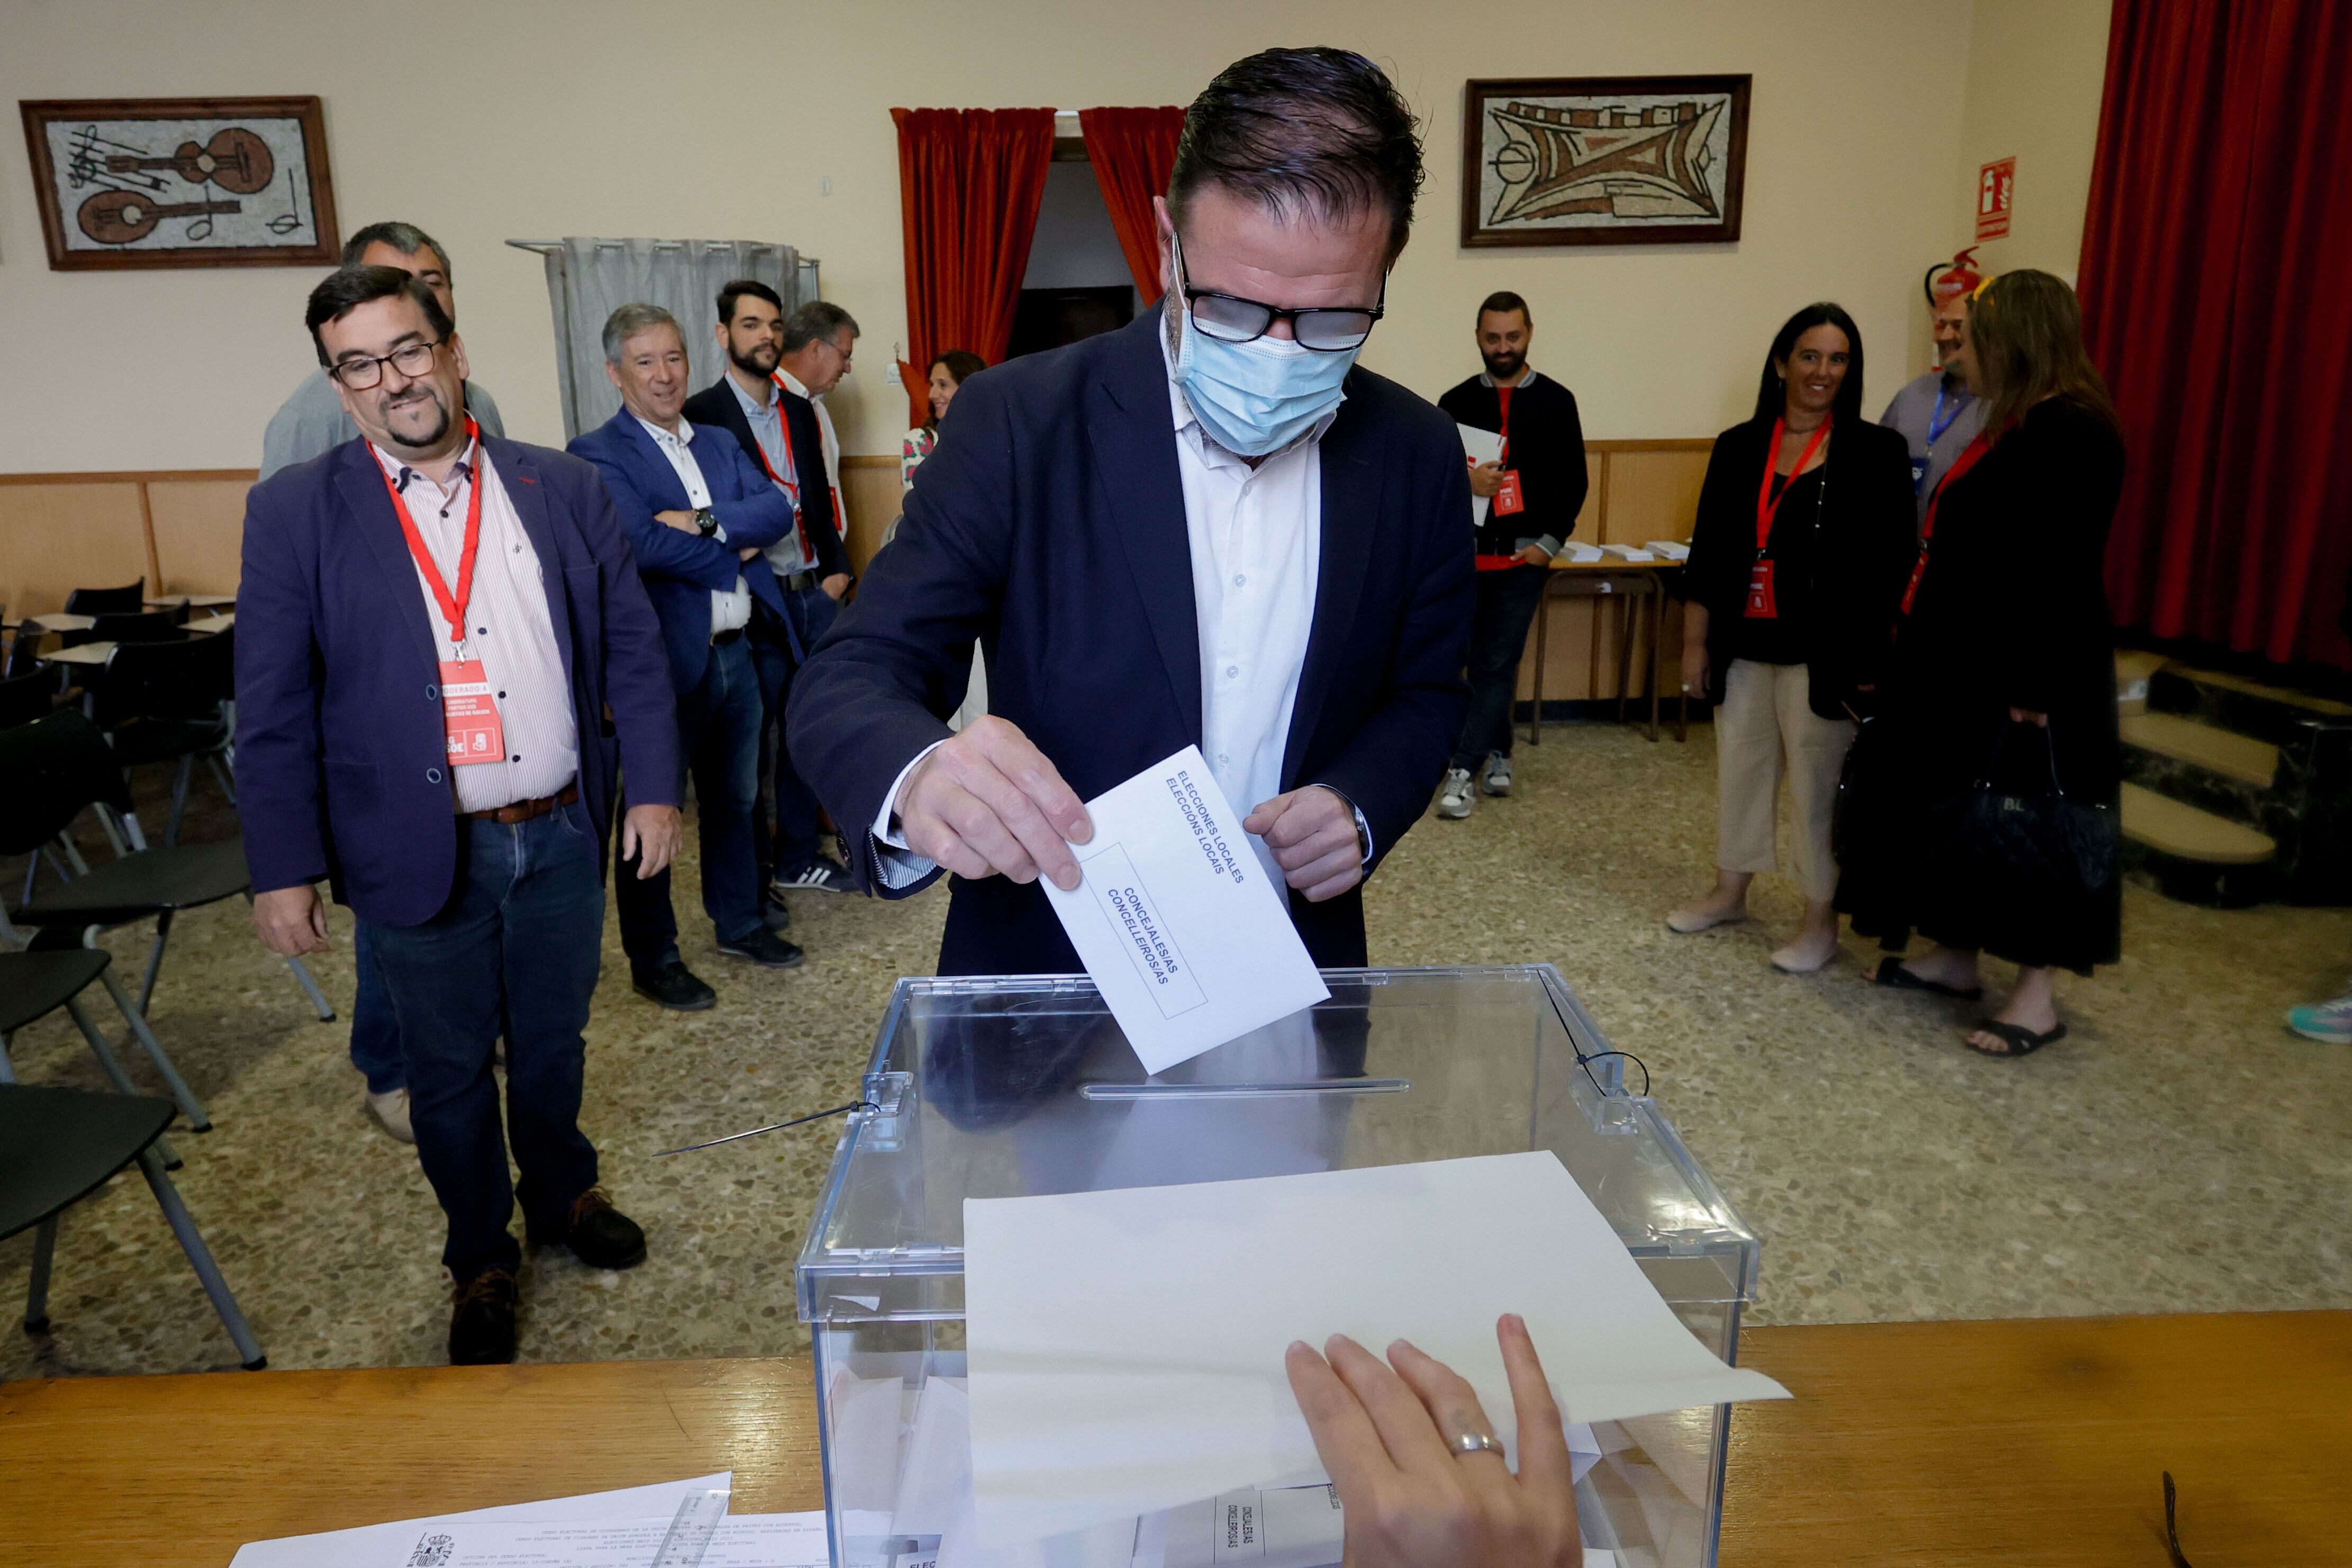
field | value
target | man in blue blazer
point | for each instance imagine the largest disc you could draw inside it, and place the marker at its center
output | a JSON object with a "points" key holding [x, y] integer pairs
{"points": [[700, 517], [447, 656], [1212, 526]]}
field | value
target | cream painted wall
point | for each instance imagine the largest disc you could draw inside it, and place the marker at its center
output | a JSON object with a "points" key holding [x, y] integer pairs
{"points": [[719, 117], [2035, 72]]}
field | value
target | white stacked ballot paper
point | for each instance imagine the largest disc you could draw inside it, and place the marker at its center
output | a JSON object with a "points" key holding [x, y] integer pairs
{"points": [[1627, 552], [1579, 553], [1669, 549], [1125, 1347], [1175, 919]]}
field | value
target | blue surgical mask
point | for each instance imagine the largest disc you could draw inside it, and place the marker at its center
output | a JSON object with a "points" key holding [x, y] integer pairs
{"points": [[1257, 397]]}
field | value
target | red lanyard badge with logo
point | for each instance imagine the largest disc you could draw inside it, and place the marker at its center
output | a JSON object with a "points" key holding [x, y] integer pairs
{"points": [[469, 713], [1761, 604], [1507, 501], [784, 422], [1967, 461]]}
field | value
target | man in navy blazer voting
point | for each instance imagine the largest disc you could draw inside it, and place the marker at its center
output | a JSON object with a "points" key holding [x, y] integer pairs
{"points": [[1211, 526], [700, 517], [445, 658]]}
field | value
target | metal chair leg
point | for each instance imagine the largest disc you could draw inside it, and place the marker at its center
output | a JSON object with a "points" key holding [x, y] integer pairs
{"points": [[318, 997], [220, 776], [7, 1069], [36, 1293], [248, 1349], [179, 800], [112, 1066], [199, 1120], [154, 959]]}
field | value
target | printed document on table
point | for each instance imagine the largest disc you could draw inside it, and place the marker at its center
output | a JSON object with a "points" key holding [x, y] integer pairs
{"points": [[1480, 447], [1125, 1347], [392, 1545], [1175, 919], [747, 1540]]}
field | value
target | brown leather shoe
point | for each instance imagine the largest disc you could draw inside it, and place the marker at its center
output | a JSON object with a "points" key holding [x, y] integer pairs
{"points": [[482, 1320], [599, 1235]]}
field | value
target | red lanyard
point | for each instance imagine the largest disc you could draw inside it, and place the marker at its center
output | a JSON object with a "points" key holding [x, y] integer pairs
{"points": [[1503, 396], [1767, 505], [453, 606], [784, 422], [1967, 461]]}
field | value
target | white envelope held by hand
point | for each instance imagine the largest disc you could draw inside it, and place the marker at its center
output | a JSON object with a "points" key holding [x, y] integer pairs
{"points": [[1175, 920], [1126, 1347]]}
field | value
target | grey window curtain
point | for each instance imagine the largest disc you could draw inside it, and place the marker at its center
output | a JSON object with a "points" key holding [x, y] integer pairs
{"points": [[587, 280]]}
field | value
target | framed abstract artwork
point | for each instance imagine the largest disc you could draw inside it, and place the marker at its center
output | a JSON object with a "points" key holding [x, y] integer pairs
{"points": [[182, 181], [1632, 160]]}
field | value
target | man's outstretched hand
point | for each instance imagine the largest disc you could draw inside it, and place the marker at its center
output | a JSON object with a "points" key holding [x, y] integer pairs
{"points": [[987, 803], [1312, 832]]}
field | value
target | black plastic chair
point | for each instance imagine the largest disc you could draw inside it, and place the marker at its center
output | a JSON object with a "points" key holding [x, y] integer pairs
{"points": [[145, 626], [108, 601], [34, 985], [59, 1145], [24, 697], [165, 701]]}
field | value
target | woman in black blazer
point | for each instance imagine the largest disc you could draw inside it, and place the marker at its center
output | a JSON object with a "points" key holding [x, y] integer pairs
{"points": [[2005, 647], [1806, 525]]}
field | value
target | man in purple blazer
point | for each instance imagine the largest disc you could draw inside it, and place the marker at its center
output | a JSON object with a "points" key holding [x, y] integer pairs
{"points": [[445, 655]]}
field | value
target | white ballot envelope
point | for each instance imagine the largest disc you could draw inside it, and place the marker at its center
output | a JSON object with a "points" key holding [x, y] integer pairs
{"points": [[1125, 1347], [1480, 447], [1175, 919]]}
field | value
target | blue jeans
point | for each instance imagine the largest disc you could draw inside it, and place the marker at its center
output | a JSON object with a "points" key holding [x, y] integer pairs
{"points": [[797, 832], [719, 741], [1502, 613], [514, 952], [375, 1041]]}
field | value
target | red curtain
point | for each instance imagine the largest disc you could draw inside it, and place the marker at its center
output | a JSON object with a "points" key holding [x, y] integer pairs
{"points": [[1133, 151], [2216, 300], [970, 182]]}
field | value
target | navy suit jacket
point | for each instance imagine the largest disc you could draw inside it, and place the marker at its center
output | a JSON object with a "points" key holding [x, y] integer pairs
{"points": [[1049, 523], [715, 404], [341, 760], [683, 570]]}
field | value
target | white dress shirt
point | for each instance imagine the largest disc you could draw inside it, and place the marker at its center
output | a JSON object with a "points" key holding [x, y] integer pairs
{"points": [[729, 611], [767, 421], [1255, 539], [827, 439], [509, 628]]}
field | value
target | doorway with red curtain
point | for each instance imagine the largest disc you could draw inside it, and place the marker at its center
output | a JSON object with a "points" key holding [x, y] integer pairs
{"points": [[2216, 300], [970, 182], [1134, 152]]}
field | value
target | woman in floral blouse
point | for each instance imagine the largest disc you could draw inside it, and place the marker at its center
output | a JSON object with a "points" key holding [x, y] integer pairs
{"points": [[948, 373]]}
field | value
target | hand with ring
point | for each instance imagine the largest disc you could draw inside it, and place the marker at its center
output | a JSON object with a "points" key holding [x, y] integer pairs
{"points": [[1419, 1469]]}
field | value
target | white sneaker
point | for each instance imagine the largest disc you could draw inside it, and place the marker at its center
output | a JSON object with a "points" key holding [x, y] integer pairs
{"points": [[1455, 800], [1496, 779], [391, 1113]]}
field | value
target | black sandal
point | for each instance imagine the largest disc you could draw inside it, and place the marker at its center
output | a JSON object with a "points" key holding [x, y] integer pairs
{"points": [[1891, 972], [2022, 1041]]}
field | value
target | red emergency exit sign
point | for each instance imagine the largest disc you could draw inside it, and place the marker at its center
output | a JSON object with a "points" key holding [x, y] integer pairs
{"points": [[1995, 184]]}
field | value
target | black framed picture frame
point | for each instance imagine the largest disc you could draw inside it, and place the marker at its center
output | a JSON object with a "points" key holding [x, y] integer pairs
{"points": [[1635, 160], [181, 182]]}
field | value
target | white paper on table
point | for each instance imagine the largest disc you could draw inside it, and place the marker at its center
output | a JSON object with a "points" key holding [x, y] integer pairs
{"points": [[1125, 1347], [1627, 552], [1669, 549], [1580, 553], [391, 1545], [1175, 919], [746, 1541], [1480, 447]]}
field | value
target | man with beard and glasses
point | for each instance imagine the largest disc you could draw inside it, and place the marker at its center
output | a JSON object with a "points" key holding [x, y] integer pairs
{"points": [[444, 657], [779, 430], [1213, 527], [1533, 494], [311, 421]]}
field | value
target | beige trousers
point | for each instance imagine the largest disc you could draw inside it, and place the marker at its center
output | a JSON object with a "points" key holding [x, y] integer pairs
{"points": [[1766, 727]]}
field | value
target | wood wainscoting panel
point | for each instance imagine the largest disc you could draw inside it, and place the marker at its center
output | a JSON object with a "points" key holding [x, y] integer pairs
{"points": [[75, 533], [199, 532], [870, 493], [1653, 490]]}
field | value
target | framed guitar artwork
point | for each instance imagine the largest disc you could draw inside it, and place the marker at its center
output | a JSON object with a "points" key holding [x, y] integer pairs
{"points": [[182, 181]]}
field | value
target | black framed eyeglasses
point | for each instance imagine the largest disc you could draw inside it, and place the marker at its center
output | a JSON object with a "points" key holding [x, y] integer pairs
{"points": [[1230, 319], [363, 371]]}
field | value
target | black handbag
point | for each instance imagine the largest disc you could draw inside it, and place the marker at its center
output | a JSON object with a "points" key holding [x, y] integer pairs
{"points": [[2032, 848], [1866, 811]]}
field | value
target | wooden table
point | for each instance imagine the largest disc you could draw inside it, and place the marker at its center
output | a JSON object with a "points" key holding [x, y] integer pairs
{"points": [[59, 621], [1643, 580], [2029, 1442]]}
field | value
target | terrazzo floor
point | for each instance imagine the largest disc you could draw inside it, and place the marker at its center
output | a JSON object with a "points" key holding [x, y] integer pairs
{"points": [[2181, 1151]]}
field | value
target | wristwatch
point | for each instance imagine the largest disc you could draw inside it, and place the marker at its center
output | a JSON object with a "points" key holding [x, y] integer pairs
{"points": [[706, 520]]}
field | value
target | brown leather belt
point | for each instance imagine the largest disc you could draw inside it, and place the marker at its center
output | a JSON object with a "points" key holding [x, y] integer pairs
{"points": [[524, 810]]}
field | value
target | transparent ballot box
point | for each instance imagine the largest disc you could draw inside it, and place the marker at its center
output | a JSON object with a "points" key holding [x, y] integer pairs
{"points": [[1003, 1088]]}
